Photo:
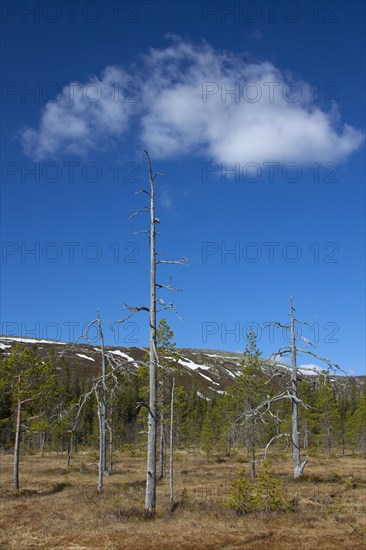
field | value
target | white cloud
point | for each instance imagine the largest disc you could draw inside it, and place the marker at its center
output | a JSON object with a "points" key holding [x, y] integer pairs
{"points": [[186, 108], [84, 117]]}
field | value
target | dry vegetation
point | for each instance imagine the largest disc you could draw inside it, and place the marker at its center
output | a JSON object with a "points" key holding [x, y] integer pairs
{"points": [[60, 508]]}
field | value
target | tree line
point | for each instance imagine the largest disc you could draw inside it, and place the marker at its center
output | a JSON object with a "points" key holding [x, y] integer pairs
{"points": [[40, 409]]}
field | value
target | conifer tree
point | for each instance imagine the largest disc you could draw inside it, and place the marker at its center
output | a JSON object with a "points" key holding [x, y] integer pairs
{"points": [[248, 392], [328, 415], [167, 358], [207, 435], [357, 425], [32, 384]]}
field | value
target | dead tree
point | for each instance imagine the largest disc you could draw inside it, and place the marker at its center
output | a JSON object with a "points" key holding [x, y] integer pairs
{"points": [[293, 395], [100, 392], [101, 399], [171, 448], [98, 385], [150, 496]]}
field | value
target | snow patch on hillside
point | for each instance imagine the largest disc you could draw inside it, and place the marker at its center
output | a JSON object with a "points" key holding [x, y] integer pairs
{"points": [[4, 346], [188, 363], [30, 340], [123, 355], [203, 396], [230, 357], [85, 357]]}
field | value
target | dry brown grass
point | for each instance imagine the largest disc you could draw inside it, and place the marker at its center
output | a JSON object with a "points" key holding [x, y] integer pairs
{"points": [[60, 509]]}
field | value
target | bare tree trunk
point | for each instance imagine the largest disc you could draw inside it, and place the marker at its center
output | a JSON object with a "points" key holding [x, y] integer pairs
{"points": [[17, 447], [306, 436], [101, 455], [111, 442], [162, 451], [298, 466], [69, 450], [103, 404], [171, 448], [252, 442], [150, 500]]}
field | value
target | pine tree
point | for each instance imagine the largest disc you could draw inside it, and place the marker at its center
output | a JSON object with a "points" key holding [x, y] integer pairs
{"points": [[247, 393], [328, 416], [269, 495], [32, 383], [167, 358], [207, 435], [241, 497], [357, 425]]}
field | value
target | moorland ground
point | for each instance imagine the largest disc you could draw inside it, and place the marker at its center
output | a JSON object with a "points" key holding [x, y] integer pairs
{"points": [[59, 507]]}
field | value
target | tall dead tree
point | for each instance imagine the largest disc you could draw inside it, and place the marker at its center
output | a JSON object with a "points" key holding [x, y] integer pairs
{"points": [[150, 498], [150, 495], [298, 465], [103, 405]]}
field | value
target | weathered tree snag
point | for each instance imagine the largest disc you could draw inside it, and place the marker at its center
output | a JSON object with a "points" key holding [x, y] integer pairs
{"points": [[294, 396], [298, 467], [171, 448], [252, 445], [150, 495], [102, 408], [150, 498], [111, 442], [103, 401], [17, 445], [162, 450]]}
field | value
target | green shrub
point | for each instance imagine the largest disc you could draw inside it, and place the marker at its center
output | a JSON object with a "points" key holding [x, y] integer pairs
{"points": [[241, 498], [269, 495], [264, 494]]}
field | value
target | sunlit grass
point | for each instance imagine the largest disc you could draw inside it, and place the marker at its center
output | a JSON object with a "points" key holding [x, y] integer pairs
{"points": [[60, 508]]}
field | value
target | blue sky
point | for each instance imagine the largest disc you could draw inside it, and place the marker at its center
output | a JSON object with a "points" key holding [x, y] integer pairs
{"points": [[273, 172]]}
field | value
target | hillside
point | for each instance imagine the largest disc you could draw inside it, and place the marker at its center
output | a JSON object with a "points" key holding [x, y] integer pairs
{"points": [[210, 371]]}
